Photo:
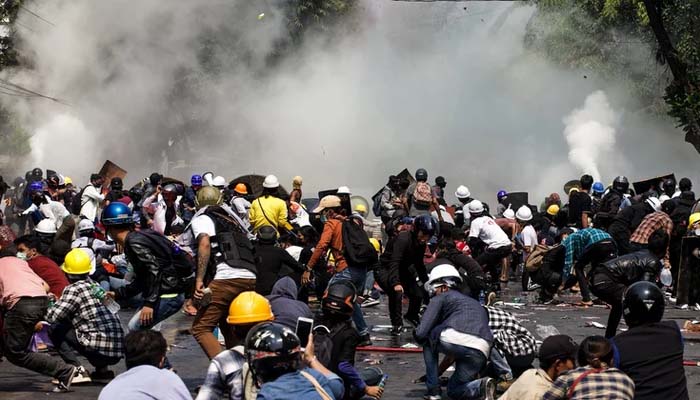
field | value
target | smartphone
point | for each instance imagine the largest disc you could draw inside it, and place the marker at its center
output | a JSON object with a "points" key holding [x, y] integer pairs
{"points": [[304, 327]]}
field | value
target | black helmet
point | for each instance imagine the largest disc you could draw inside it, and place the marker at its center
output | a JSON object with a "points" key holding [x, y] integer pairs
{"points": [[272, 350], [339, 298], [267, 234], [37, 174], [440, 181], [669, 187], [116, 183], [643, 304], [621, 184], [421, 175], [53, 182], [425, 224]]}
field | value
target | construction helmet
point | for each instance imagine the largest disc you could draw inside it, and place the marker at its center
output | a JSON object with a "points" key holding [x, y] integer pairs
{"points": [[249, 308], [46, 226], [693, 219], [425, 224], [116, 214], [553, 210], [442, 275], [77, 262], [271, 182], [524, 213], [501, 195], [654, 203], [344, 190], [598, 188], [240, 188], [196, 180], [208, 196], [85, 225], [509, 213], [476, 207], [219, 181], [36, 186], [67, 180], [360, 208], [375, 243], [643, 303], [462, 192]]}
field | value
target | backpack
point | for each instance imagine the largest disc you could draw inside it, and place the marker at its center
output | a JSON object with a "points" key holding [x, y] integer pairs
{"points": [[323, 346], [536, 258], [357, 249], [422, 194], [182, 263], [77, 202], [377, 204]]}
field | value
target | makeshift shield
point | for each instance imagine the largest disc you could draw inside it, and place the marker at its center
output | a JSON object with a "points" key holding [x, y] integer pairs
{"points": [[689, 271]]}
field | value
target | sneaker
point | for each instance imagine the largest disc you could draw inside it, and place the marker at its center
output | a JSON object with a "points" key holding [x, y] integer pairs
{"points": [[488, 388], [491, 298], [552, 302], [502, 386], [83, 376], [433, 394], [364, 340], [369, 302], [64, 382], [396, 330]]}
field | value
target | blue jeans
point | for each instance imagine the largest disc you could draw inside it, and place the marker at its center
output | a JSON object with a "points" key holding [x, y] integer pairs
{"points": [[468, 363], [166, 308], [499, 365], [357, 276]]}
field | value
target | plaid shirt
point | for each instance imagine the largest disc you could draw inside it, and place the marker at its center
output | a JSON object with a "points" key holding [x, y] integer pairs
{"points": [[650, 224], [95, 326], [608, 384], [224, 377], [509, 335], [577, 243]]}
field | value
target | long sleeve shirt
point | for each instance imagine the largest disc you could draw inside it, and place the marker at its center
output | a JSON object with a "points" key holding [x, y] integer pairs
{"points": [[331, 238], [90, 202], [577, 243], [268, 210], [650, 224]]}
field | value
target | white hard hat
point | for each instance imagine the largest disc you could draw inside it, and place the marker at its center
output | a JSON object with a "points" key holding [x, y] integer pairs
{"points": [[271, 182], [218, 181], [462, 192], [654, 203], [443, 271], [61, 180], [524, 213], [476, 207], [85, 225], [509, 213], [45, 226], [344, 190]]}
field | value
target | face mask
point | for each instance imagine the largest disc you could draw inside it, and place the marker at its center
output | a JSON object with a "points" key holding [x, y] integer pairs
{"points": [[324, 218], [697, 232], [22, 256]]}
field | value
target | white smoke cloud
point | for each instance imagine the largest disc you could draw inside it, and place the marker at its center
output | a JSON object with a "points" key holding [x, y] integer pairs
{"points": [[590, 133]]}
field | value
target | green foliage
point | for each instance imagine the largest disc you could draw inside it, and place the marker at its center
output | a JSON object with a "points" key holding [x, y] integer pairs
{"points": [[14, 140]]}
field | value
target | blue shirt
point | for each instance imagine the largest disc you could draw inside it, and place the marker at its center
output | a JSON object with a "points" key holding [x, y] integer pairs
{"points": [[579, 241], [146, 382], [294, 386]]}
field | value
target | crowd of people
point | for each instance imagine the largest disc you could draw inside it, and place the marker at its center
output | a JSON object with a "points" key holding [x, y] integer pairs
{"points": [[251, 268]]}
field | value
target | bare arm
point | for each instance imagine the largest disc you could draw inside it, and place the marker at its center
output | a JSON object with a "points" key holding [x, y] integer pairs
{"points": [[203, 254]]}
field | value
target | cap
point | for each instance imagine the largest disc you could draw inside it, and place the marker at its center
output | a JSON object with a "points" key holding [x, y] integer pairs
{"points": [[327, 202], [558, 346]]}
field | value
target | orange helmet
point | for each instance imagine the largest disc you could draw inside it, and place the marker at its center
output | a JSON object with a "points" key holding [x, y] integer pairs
{"points": [[240, 189]]}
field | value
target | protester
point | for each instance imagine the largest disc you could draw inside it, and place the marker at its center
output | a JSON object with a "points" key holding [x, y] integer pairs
{"points": [[627, 221], [557, 355], [473, 278], [296, 195], [285, 306], [30, 249], [419, 195], [50, 210], [275, 358], [82, 323], [611, 203], [596, 378], [145, 377], [483, 229], [514, 343], [163, 205], [268, 209], [228, 375], [91, 197], [580, 204], [240, 204], [391, 204], [187, 203], [273, 262], [650, 224], [503, 204], [587, 246]]}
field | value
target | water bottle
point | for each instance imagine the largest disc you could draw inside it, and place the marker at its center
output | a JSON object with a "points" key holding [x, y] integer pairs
{"points": [[382, 382], [99, 293], [482, 297], [666, 277]]}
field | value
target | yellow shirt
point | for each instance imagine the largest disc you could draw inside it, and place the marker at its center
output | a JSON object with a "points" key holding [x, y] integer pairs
{"points": [[532, 385], [270, 211]]}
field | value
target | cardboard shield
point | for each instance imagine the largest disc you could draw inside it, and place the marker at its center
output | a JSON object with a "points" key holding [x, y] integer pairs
{"points": [[689, 270], [517, 200], [111, 170], [652, 183], [401, 175]]}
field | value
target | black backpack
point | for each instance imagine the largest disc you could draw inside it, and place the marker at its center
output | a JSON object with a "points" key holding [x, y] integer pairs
{"points": [[377, 204], [357, 249], [77, 202], [181, 261], [232, 238]]}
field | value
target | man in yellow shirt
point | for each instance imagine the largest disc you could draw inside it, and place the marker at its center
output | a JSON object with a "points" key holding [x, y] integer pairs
{"points": [[268, 209]]}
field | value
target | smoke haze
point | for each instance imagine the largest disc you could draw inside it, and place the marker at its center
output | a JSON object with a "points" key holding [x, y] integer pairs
{"points": [[402, 85]]}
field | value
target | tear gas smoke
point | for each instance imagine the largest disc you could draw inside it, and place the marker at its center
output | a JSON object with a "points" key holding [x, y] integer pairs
{"points": [[590, 132], [402, 85]]}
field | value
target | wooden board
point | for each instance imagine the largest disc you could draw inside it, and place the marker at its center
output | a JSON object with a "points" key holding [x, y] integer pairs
{"points": [[111, 170], [651, 183]]}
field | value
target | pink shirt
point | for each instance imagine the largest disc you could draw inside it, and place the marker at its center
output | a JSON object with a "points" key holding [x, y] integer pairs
{"points": [[18, 280]]}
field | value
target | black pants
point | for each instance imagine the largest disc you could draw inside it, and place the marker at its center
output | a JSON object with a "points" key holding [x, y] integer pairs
{"points": [[549, 280], [415, 299], [519, 364], [65, 341], [595, 254], [621, 235], [491, 259], [611, 292], [19, 329]]}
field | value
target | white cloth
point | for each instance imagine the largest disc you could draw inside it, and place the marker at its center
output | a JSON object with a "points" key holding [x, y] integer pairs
{"points": [[529, 236], [486, 229], [445, 215], [90, 201], [53, 210], [241, 206], [203, 224], [452, 336], [295, 252], [158, 208], [97, 245]]}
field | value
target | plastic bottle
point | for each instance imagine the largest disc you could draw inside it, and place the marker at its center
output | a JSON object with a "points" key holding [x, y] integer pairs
{"points": [[482, 297], [666, 277], [382, 382], [99, 293]]}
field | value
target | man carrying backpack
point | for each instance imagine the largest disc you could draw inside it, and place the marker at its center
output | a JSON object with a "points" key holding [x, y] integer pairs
{"points": [[162, 273], [225, 268], [420, 195], [332, 237]]}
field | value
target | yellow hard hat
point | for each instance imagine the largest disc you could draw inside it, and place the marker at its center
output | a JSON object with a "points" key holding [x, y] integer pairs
{"points": [[376, 245], [553, 210], [67, 180], [249, 308], [694, 219], [360, 208], [77, 262]]}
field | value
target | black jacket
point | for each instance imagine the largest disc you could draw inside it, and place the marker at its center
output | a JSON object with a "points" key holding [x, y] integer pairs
{"points": [[155, 272], [402, 260], [633, 267], [274, 263], [473, 277], [608, 209]]}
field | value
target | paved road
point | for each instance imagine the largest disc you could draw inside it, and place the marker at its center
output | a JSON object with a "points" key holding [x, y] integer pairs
{"points": [[189, 360]]}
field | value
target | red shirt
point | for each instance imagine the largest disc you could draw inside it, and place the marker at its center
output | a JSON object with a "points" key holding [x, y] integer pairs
{"points": [[50, 272]]}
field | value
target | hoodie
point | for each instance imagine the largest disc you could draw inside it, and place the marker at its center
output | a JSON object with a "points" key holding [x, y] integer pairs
{"points": [[285, 306]]}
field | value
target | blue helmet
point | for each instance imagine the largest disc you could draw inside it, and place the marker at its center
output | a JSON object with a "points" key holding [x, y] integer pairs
{"points": [[598, 187], [36, 186], [116, 214], [196, 180], [425, 224], [501, 195]]}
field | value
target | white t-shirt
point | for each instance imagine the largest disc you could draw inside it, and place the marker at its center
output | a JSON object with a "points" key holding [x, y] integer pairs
{"points": [[486, 229], [203, 224], [529, 236]]}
